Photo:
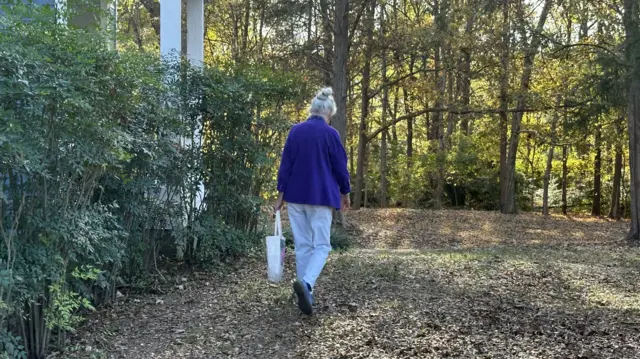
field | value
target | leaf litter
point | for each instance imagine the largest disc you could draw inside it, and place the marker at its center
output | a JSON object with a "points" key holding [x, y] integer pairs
{"points": [[417, 284]]}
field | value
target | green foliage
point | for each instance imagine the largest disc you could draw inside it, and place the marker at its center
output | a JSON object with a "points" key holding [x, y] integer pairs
{"points": [[10, 346], [94, 169], [341, 238], [243, 125], [61, 314]]}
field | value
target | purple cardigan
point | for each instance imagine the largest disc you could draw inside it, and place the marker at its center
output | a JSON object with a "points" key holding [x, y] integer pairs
{"points": [[313, 169]]}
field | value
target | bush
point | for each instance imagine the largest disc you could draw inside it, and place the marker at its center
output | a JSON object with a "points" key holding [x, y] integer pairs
{"points": [[93, 176], [341, 238]]}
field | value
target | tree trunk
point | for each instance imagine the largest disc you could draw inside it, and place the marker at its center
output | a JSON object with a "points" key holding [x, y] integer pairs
{"points": [[136, 28], [235, 54], [549, 167], [351, 161], [396, 96], [509, 186], [427, 121], [565, 171], [385, 107], [441, 85], [310, 19], [260, 32], [364, 108], [531, 160], [366, 197], [504, 100], [407, 98], [597, 178], [362, 145], [245, 29], [341, 41], [634, 154], [409, 142], [465, 73], [632, 56], [153, 7], [409, 150], [394, 130], [339, 76], [384, 185], [547, 178], [614, 213]]}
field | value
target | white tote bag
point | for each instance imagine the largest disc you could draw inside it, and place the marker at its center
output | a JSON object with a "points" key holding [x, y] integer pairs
{"points": [[276, 252]]}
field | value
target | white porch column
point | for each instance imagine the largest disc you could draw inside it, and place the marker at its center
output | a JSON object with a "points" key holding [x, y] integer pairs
{"points": [[195, 31], [61, 7], [114, 26], [170, 46], [170, 27], [195, 54], [170, 40]]}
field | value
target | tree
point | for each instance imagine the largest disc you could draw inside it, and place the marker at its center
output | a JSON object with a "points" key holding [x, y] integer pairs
{"points": [[631, 20], [384, 111], [549, 165], [505, 47], [340, 59], [615, 211], [508, 186], [364, 98], [596, 209], [422, 91], [339, 75], [440, 15]]}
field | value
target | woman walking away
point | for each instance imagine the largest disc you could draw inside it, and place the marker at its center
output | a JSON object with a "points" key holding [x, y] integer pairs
{"points": [[313, 179]]}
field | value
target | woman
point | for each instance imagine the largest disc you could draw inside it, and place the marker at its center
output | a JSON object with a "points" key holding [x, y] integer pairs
{"points": [[313, 179]]}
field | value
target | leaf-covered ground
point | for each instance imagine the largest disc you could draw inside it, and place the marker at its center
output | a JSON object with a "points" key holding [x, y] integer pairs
{"points": [[417, 284]]}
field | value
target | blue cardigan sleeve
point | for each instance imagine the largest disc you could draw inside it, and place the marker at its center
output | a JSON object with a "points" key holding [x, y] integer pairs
{"points": [[339, 163], [286, 164]]}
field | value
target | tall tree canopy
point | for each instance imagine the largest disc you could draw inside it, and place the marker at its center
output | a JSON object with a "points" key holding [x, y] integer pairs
{"points": [[513, 105]]}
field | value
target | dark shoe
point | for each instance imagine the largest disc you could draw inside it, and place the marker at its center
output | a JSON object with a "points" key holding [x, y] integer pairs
{"points": [[305, 298]]}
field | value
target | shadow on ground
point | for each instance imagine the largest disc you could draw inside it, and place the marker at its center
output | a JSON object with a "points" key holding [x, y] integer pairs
{"points": [[445, 296]]}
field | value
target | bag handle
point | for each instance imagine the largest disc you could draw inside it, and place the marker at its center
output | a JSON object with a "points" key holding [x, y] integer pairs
{"points": [[278, 226]]}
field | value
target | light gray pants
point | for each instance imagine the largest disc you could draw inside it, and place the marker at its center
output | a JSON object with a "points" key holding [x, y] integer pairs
{"points": [[311, 227]]}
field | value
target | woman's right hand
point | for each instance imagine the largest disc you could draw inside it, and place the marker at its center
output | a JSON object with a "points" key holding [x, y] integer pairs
{"points": [[346, 202], [279, 202]]}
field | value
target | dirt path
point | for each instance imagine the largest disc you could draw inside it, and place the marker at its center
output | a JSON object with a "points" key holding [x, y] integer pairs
{"points": [[416, 285]]}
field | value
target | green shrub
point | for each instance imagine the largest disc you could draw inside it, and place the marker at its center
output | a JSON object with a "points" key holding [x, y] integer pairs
{"points": [[93, 177], [341, 238]]}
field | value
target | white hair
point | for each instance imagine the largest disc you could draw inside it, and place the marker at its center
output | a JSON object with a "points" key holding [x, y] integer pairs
{"points": [[323, 104]]}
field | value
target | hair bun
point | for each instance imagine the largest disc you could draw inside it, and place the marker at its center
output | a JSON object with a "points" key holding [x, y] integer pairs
{"points": [[325, 93]]}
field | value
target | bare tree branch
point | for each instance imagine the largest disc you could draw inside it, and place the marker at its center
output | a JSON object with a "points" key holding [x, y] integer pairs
{"points": [[356, 21], [464, 112], [394, 82], [597, 46]]}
